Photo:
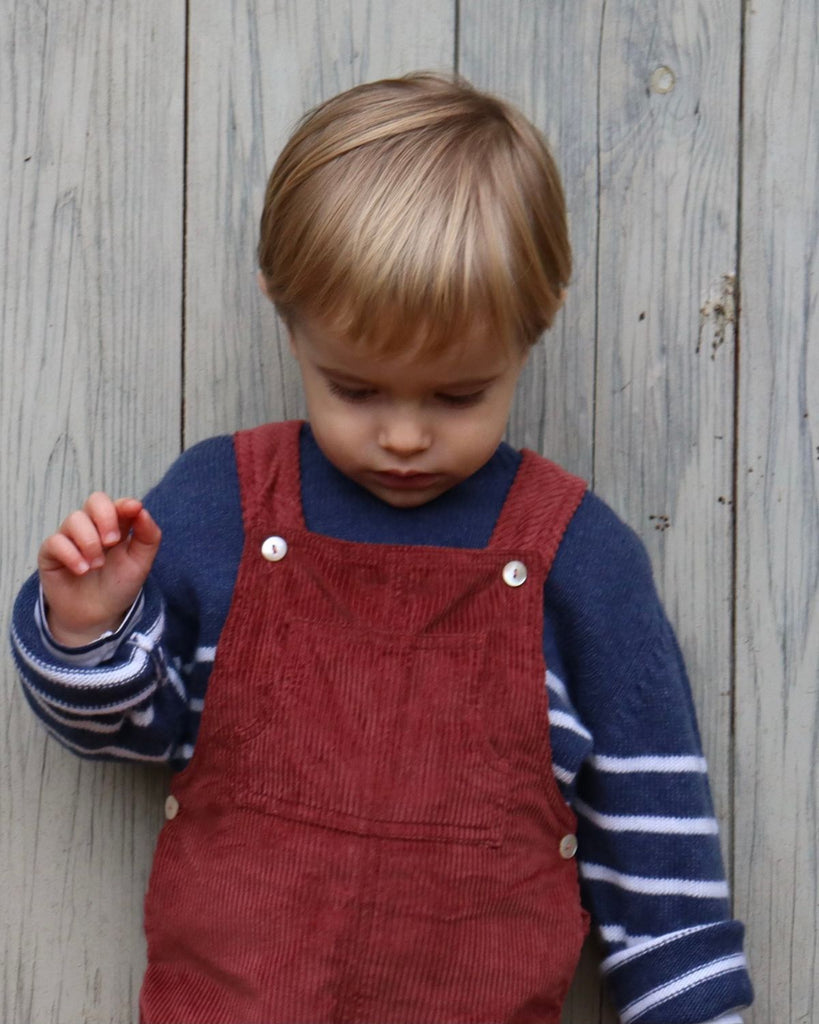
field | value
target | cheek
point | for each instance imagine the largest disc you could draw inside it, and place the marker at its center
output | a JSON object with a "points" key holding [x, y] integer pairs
{"points": [[475, 442], [340, 432]]}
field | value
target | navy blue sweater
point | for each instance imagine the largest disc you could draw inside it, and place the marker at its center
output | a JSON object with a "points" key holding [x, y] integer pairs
{"points": [[624, 739]]}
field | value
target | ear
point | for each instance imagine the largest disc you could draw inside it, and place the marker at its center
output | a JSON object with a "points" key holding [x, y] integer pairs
{"points": [[263, 285], [293, 340]]}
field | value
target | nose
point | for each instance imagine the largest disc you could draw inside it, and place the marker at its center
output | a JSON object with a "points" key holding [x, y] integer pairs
{"points": [[403, 432]]}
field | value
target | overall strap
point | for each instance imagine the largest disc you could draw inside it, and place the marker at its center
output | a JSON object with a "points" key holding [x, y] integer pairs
{"points": [[539, 507], [267, 461]]}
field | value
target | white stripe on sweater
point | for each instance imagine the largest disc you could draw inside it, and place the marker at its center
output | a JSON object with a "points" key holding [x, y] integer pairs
{"points": [[176, 682], [648, 823], [112, 751], [661, 994], [666, 763], [555, 684], [143, 717], [563, 720], [651, 945], [88, 724], [49, 704], [139, 646], [615, 934], [563, 774], [695, 887]]}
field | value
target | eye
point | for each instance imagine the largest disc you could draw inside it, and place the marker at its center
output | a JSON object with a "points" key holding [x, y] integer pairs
{"points": [[350, 394], [461, 401]]}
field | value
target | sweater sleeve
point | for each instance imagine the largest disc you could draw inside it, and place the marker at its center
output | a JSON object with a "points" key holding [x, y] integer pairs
{"points": [[648, 856], [138, 693]]}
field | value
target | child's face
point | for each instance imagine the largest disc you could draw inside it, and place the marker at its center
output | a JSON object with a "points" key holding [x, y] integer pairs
{"points": [[406, 427]]}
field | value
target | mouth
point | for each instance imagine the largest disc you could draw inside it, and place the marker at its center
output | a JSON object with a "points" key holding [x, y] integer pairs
{"points": [[407, 481]]}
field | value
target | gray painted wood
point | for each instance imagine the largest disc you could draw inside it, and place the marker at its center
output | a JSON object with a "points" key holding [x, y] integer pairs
{"points": [[777, 599], [635, 388], [91, 137], [668, 138]]}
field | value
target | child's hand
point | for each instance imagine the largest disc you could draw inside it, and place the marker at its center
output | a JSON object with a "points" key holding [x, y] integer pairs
{"points": [[93, 567]]}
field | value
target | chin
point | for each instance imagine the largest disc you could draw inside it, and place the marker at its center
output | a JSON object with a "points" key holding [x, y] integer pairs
{"points": [[405, 499]]}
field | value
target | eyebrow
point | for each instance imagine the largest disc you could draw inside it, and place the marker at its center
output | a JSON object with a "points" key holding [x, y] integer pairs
{"points": [[347, 378], [471, 383]]}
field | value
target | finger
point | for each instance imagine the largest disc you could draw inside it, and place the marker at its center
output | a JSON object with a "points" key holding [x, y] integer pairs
{"points": [[82, 531], [59, 552], [102, 512], [127, 510], [144, 542]]}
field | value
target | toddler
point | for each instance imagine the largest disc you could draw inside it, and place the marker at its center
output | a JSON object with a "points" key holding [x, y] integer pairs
{"points": [[425, 710]]}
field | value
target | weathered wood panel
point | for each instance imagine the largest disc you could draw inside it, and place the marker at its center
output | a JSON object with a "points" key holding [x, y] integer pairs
{"points": [[90, 299], [777, 645], [668, 138], [255, 68], [669, 130]]}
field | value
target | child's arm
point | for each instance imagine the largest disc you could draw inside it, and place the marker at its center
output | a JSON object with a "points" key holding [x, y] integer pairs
{"points": [[649, 855], [138, 693]]}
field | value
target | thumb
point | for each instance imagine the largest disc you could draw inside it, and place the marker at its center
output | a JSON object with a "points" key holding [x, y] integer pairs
{"points": [[143, 542]]}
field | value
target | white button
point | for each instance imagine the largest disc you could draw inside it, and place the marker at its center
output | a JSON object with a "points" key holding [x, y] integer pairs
{"points": [[274, 549], [171, 807], [568, 847], [514, 573]]}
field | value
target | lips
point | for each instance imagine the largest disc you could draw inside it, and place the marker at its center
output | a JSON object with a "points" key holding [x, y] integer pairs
{"points": [[407, 481]]}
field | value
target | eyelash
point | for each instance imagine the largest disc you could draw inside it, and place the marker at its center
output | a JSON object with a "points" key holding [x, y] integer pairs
{"points": [[462, 400], [350, 394], [362, 394]]}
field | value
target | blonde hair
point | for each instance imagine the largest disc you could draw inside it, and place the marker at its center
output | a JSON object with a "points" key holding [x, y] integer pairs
{"points": [[416, 204]]}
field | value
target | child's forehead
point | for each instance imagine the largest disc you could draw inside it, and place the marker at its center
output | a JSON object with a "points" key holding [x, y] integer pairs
{"points": [[400, 343], [397, 346]]}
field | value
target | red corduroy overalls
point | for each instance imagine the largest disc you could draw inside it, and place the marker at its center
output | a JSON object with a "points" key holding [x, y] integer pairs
{"points": [[370, 828]]}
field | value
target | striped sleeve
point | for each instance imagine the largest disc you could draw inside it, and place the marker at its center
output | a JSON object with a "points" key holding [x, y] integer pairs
{"points": [[650, 861], [118, 698], [138, 693], [627, 755]]}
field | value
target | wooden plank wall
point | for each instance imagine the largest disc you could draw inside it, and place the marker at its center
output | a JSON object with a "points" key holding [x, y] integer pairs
{"points": [[135, 138]]}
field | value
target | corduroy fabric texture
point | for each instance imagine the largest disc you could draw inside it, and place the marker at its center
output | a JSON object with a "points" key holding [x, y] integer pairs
{"points": [[370, 828]]}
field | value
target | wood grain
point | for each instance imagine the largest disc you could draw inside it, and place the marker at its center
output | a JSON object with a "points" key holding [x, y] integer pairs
{"points": [[665, 366], [90, 299], [255, 68], [668, 149], [777, 646]]}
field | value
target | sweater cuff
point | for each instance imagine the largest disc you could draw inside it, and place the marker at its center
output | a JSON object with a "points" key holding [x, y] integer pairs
{"points": [[58, 681], [687, 977], [89, 655]]}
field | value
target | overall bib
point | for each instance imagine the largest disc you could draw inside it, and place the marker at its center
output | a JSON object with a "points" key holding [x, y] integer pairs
{"points": [[370, 828]]}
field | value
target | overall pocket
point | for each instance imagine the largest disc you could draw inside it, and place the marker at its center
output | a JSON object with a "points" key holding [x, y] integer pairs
{"points": [[376, 733]]}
